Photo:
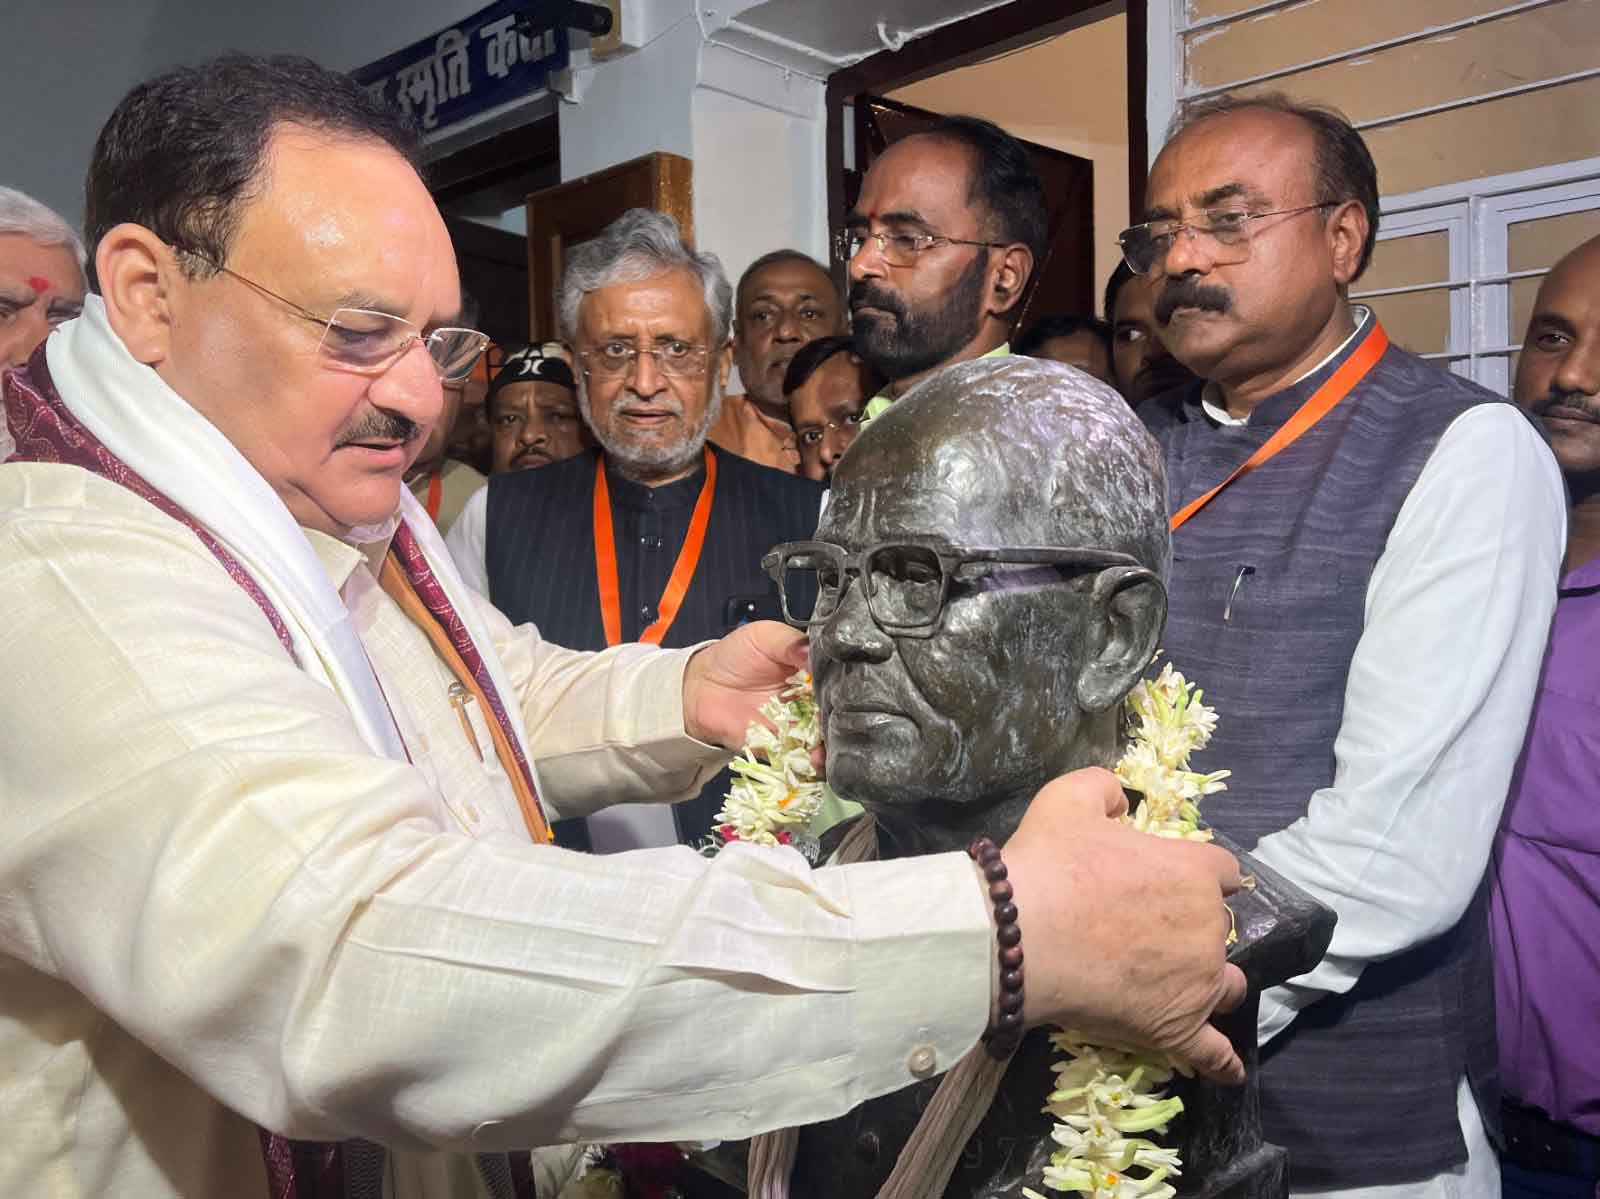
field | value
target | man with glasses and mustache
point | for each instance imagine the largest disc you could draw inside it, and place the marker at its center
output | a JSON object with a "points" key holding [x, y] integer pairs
{"points": [[1545, 905], [654, 536], [940, 246], [1365, 552]]}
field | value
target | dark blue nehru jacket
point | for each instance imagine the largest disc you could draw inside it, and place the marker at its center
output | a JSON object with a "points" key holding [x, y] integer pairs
{"points": [[539, 553], [1267, 593]]}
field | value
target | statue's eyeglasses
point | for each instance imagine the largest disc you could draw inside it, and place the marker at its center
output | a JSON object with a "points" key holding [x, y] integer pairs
{"points": [[906, 584]]}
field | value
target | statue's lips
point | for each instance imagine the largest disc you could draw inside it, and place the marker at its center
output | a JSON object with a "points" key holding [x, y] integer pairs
{"points": [[860, 722]]}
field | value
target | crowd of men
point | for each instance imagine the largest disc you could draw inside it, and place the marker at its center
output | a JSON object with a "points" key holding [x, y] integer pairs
{"points": [[229, 841]]}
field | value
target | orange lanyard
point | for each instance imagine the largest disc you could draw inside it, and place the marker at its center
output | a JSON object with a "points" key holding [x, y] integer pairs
{"points": [[1322, 402], [605, 558], [435, 494]]}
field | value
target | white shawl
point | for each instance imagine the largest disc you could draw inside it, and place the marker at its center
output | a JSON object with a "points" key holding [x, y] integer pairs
{"points": [[133, 412]]}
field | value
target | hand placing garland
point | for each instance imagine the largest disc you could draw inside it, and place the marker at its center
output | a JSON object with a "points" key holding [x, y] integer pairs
{"points": [[776, 794]]}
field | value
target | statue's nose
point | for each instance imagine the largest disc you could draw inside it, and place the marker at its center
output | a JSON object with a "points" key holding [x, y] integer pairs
{"points": [[850, 634]]}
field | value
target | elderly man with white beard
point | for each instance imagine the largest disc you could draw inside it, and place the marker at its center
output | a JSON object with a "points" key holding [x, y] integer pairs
{"points": [[656, 536]]}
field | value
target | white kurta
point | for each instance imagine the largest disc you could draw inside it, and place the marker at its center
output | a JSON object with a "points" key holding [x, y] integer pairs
{"points": [[218, 907]]}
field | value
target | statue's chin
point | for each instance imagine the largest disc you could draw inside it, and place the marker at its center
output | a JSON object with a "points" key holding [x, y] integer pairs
{"points": [[870, 778]]}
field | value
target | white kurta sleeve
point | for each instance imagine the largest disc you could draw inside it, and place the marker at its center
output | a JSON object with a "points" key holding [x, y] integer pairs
{"points": [[1441, 684], [195, 839], [606, 726], [467, 541]]}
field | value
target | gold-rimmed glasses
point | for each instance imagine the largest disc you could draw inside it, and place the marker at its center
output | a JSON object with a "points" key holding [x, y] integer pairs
{"points": [[612, 359], [1226, 232], [900, 248], [368, 341]]}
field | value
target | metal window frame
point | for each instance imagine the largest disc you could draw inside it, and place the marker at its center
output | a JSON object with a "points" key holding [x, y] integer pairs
{"points": [[1477, 216]]}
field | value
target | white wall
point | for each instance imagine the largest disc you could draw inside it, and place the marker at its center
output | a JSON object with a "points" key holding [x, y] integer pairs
{"points": [[760, 178], [754, 132], [66, 63], [635, 103]]}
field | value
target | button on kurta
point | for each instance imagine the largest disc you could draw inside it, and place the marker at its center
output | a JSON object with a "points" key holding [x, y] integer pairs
{"points": [[922, 1061]]}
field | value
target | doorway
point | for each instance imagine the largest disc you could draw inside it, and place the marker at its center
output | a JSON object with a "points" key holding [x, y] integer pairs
{"points": [[1066, 77], [482, 191]]}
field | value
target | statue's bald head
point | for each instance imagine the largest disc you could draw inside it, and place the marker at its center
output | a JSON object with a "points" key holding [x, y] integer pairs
{"points": [[1017, 451]]}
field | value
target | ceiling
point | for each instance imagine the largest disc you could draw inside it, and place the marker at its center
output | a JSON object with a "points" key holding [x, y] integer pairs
{"points": [[844, 31]]}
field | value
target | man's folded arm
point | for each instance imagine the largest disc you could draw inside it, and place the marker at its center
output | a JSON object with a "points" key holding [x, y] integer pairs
{"points": [[194, 837]]}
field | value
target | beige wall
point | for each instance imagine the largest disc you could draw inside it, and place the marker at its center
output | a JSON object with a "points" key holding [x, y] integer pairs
{"points": [[1417, 150], [1069, 93]]}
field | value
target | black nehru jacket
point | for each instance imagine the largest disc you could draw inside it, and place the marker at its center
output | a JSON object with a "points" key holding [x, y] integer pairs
{"points": [[539, 555]]}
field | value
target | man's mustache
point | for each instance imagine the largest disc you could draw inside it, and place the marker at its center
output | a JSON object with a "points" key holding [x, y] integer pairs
{"points": [[1188, 292], [866, 295], [1575, 402], [661, 402], [378, 425]]}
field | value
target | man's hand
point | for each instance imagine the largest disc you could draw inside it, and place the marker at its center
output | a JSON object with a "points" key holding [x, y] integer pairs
{"points": [[1123, 932], [726, 683]]}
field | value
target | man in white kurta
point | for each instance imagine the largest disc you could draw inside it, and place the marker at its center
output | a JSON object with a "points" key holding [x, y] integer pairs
{"points": [[261, 864]]}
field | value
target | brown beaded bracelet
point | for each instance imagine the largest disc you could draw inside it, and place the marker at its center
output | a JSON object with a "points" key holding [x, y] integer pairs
{"points": [[1003, 1036]]}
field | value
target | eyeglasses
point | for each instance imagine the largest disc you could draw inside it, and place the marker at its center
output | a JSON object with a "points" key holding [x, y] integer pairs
{"points": [[614, 359], [906, 584], [898, 249], [368, 341], [1227, 233]]}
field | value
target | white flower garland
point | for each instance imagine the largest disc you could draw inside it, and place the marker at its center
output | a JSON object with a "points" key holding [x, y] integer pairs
{"points": [[776, 793], [1104, 1096]]}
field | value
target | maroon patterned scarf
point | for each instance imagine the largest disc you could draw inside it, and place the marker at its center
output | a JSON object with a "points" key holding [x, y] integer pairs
{"points": [[46, 431]]}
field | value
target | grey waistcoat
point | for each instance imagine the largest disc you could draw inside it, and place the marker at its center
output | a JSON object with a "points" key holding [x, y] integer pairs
{"points": [[1267, 593]]}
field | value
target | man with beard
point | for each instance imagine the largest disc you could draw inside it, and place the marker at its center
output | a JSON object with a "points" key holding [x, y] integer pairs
{"points": [[784, 300], [656, 536], [1365, 556], [1141, 365], [941, 243], [1546, 900]]}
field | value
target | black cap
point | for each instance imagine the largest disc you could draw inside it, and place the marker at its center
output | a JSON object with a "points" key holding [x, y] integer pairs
{"points": [[534, 364]]}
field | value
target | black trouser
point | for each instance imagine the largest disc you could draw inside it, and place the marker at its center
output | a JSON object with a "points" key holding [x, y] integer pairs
{"points": [[1546, 1160]]}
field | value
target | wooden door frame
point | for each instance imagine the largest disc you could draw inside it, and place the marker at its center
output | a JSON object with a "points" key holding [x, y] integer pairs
{"points": [[978, 37]]}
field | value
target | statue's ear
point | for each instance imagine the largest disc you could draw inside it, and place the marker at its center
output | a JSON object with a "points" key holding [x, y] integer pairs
{"points": [[1128, 613]]}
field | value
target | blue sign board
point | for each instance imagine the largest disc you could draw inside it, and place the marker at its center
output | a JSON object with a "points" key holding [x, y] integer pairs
{"points": [[476, 64]]}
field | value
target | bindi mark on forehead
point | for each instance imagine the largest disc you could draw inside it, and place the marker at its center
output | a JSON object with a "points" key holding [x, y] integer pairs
{"points": [[39, 283]]}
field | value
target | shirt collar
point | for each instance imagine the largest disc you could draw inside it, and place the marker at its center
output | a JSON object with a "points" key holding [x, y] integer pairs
{"points": [[879, 404], [367, 544], [640, 497], [1211, 394]]}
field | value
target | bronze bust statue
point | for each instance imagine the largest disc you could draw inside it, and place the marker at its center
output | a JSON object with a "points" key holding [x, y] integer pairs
{"points": [[985, 588]]}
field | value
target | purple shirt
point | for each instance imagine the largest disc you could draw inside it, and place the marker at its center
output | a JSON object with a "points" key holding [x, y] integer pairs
{"points": [[1545, 910]]}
